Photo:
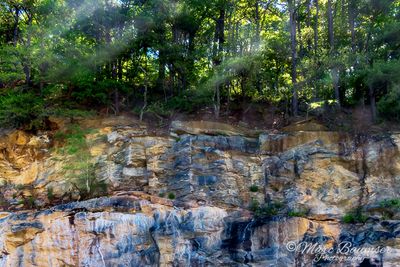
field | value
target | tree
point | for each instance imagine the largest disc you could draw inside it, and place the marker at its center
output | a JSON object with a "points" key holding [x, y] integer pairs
{"points": [[220, 53], [293, 41]]}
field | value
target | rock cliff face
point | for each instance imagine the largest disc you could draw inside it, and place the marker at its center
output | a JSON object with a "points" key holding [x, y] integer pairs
{"points": [[207, 194]]}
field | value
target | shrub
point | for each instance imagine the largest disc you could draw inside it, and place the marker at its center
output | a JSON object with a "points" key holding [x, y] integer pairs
{"points": [[29, 111], [389, 106], [298, 213], [390, 207], [85, 181], [254, 205], [253, 188], [74, 139], [391, 203], [171, 196], [50, 193], [191, 100], [21, 110], [29, 202], [354, 217], [71, 113], [20, 187], [10, 72], [88, 91], [159, 108], [273, 208], [79, 168], [266, 210], [3, 203]]}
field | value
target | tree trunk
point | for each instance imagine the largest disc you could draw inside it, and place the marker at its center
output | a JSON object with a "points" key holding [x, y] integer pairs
{"points": [[334, 69], [217, 101], [220, 39], [161, 74], [42, 68], [258, 31], [145, 88], [144, 101], [16, 25], [292, 15], [335, 77], [236, 38], [190, 58], [257, 43], [316, 18], [330, 26], [316, 27], [299, 39], [352, 15], [372, 103], [120, 71], [116, 91], [27, 61], [308, 24]]}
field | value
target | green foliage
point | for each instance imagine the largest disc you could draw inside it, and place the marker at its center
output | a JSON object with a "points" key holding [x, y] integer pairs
{"points": [[74, 138], [79, 168], [254, 205], [72, 113], [266, 210], [83, 178], [75, 54], [391, 203], [3, 203], [91, 92], [21, 109], [390, 207], [171, 195], [191, 100], [354, 217], [253, 188], [159, 108], [9, 71], [28, 110], [50, 193], [298, 213], [389, 104], [29, 202], [20, 187]]}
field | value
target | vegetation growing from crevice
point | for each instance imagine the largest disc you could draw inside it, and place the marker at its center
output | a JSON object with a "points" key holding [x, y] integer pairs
{"points": [[29, 202], [253, 188], [269, 209], [79, 166], [390, 207], [356, 216], [50, 194], [298, 213], [393, 203]]}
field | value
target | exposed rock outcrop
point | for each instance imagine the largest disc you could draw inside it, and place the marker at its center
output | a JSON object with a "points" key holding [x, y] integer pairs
{"points": [[212, 173]]}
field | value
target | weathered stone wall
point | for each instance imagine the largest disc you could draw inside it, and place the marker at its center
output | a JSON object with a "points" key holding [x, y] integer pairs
{"points": [[209, 168]]}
